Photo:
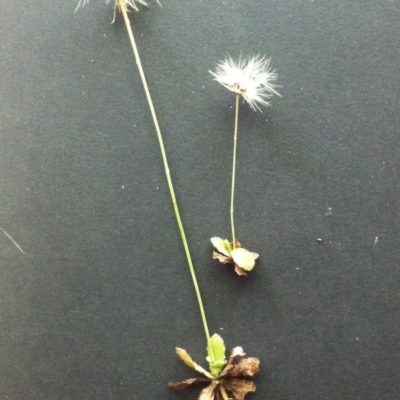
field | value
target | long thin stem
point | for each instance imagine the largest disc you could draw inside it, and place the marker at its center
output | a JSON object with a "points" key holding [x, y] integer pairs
{"points": [[123, 7], [234, 169]]}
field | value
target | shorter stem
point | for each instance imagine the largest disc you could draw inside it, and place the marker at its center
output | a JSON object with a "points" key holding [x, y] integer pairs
{"points": [[223, 393], [234, 168]]}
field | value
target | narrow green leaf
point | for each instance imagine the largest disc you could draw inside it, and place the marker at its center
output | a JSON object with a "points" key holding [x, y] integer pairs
{"points": [[216, 354]]}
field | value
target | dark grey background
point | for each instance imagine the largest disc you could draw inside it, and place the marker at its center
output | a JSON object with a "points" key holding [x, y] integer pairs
{"points": [[96, 306]]}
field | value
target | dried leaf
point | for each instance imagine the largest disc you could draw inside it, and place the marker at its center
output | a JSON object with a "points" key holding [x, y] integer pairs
{"points": [[238, 351], [188, 382], [246, 367], [222, 245], [240, 271], [222, 259], [208, 392], [239, 388], [243, 259], [184, 356], [216, 354]]}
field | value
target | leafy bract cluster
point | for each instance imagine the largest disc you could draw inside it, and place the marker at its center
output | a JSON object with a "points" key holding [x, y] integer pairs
{"points": [[243, 259]]}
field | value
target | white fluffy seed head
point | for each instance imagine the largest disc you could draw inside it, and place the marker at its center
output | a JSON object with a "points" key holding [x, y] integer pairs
{"points": [[250, 77]]}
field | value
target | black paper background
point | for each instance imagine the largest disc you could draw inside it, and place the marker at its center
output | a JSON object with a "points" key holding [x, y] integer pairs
{"points": [[103, 295]]}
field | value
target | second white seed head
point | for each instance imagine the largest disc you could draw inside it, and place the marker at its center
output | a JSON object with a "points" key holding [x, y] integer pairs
{"points": [[250, 77]]}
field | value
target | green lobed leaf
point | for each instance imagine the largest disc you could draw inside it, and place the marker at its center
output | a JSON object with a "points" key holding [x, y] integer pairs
{"points": [[216, 354]]}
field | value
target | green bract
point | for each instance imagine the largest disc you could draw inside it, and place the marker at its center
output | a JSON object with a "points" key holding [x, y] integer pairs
{"points": [[216, 354], [243, 258], [222, 245]]}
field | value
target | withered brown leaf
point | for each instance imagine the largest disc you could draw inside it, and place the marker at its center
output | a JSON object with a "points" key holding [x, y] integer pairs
{"points": [[222, 259], [246, 367], [208, 392], [188, 382], [239, 388]]}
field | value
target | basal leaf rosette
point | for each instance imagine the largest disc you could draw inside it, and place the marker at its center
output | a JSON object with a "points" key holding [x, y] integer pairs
{"points": [[230, 380]]}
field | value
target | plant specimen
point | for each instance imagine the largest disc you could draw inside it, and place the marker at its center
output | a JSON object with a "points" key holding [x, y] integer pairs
{"points": [[222, 381], [252, 79], [224, 376]]}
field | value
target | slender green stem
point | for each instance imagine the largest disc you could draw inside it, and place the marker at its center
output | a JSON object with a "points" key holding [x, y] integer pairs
{"points": [[234, 168], [123, 7]]}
